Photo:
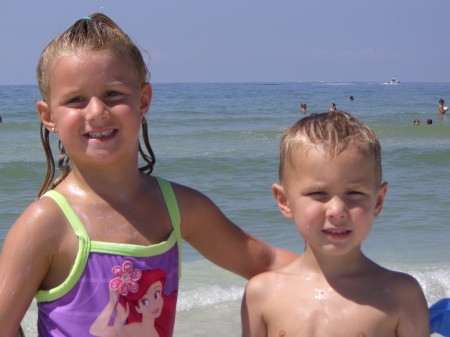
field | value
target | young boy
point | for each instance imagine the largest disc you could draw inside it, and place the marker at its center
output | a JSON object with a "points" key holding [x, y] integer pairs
{"points": [[330, 174]]}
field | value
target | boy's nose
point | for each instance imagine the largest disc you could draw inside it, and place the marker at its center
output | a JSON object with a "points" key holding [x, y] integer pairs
{"points": [[336, 208], [96, 109]]}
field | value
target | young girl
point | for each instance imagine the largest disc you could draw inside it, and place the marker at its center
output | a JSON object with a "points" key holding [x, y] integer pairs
{"points": [[105, 212]]}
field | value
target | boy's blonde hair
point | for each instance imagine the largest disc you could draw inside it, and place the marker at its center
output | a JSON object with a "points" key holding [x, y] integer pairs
{"points": [[333, 132], [95, 33]]}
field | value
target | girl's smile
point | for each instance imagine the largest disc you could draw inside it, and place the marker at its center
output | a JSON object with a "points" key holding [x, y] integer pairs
{"points": [[96, 106]]}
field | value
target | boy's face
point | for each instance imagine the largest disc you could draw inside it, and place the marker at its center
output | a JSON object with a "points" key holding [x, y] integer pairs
{"points": [[333, 200]]}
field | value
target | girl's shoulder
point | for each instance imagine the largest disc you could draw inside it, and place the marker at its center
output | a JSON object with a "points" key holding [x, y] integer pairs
{"points": [[34, 243], [42, 220]]}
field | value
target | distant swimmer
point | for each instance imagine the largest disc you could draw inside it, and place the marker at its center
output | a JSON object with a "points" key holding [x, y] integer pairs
{"points": [[442, 109], [333, 107], [429, 121], [416, 122], [1, 119], [303, 106], [352, 98]]}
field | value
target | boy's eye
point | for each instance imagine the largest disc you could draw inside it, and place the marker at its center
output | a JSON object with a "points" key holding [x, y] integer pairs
{"points": [[316, 193], [321, 196], [74, 100], [355, 193], [112, 93]]}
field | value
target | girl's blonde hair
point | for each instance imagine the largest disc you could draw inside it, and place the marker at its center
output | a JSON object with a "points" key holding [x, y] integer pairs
{"points": [[333, 132], [96, 32]]}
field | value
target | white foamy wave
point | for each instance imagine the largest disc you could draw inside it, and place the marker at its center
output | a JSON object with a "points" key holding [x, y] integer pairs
{"points": [[435, 283], [208, 296]]}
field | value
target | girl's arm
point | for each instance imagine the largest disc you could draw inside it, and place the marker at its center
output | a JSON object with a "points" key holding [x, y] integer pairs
{"points": [[26, 257], [209, 231]]}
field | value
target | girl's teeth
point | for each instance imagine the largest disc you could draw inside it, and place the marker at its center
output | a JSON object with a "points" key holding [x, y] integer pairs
{"points": [[100, 134]]}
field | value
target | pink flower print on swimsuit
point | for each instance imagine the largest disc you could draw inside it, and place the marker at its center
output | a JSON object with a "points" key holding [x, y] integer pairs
{"points": [[126, 278], [137, 305]]}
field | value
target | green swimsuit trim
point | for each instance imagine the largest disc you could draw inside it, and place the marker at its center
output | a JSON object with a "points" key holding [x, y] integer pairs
{"points": [[86, 245]]}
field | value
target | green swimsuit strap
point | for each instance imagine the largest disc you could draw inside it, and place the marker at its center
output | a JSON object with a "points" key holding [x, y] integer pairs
{"points": [[174, 213], [84, 245]]}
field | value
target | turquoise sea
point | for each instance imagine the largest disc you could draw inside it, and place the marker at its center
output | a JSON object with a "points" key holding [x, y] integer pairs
{"points": [[222, 139]]}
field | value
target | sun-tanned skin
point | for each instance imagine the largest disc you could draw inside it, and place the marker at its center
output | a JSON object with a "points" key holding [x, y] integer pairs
{"points": [[96, 106], [333, 289]]}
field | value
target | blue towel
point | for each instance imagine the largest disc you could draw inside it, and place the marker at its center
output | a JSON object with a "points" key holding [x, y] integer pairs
{"points": [[440, 317]]}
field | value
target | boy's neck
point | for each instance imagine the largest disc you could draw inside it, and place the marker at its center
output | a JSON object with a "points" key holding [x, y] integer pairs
{"points": [[335, 266]]}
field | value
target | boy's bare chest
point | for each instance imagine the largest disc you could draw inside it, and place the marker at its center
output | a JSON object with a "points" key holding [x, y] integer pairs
{"points": [[323, 312]]}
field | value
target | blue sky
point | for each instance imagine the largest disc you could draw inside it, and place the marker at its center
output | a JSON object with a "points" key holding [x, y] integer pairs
{"points": [[249, 41]]}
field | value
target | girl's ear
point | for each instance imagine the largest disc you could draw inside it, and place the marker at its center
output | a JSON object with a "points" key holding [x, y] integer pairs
{"points": [[283, 204], [146, 97], [45, 115]]}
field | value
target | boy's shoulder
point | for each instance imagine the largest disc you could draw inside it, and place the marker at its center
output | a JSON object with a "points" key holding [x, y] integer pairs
{"points": [[397, 284], [384, 275], [280, 278]]}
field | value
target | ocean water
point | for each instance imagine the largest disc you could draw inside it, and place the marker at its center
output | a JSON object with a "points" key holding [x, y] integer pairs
{"points": [[222, 139]]}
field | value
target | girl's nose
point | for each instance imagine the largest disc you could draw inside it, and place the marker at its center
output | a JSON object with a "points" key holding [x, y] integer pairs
{"points": [[336, 208], [96, 110]]}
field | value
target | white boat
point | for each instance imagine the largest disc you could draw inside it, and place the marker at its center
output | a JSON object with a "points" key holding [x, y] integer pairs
{"points": [[393, 81]]}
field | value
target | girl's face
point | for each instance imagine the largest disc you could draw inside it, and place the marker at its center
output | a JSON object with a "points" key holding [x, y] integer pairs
{"points": [[151, 303], [95, 106]]}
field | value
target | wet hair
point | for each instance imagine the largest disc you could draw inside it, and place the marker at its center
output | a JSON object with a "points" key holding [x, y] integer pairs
{"points": [[96, 33], [429, 121], [416, 122], [441, 101], [332, 132]]}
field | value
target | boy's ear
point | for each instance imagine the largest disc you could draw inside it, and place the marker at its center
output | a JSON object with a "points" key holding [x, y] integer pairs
{"points": [[45, 115], [380, 199], [146, 97], [283, 204]]}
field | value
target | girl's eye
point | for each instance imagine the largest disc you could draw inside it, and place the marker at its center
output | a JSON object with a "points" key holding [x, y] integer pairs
{"points": [[157, 295], [145, 302]]}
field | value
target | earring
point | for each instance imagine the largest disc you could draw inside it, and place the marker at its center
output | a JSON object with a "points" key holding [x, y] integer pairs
{"points": [[53, 129]]}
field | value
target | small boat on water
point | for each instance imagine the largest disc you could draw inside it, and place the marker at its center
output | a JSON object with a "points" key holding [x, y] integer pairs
{"points": [[393, 81]]}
